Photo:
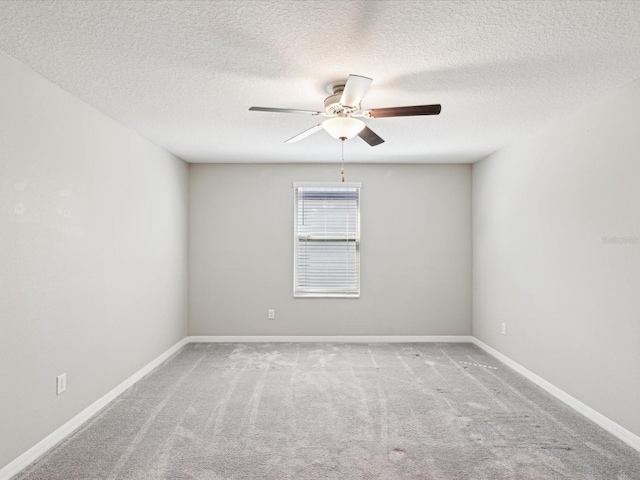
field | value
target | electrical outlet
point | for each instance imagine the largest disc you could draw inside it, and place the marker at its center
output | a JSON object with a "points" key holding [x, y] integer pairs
{"points": [[271, 314], [61, 383], [504, 328]]}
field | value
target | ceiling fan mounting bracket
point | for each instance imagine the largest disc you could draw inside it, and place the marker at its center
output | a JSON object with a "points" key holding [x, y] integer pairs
{"points": [[335, 87]]}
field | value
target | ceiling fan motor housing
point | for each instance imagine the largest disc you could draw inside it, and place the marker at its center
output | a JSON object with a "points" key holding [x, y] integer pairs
{"points": [[332, 105]]}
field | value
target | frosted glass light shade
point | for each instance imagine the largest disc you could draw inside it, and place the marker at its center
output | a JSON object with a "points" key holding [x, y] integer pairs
{"points": [[343, 127]]}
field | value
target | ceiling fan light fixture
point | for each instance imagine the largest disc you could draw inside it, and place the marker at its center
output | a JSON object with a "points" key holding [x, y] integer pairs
{"points": [[343, 127]]}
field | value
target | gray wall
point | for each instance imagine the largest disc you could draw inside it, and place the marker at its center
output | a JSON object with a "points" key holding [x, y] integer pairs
{"points": [[544, 210], [93, 255], [415, 252]]}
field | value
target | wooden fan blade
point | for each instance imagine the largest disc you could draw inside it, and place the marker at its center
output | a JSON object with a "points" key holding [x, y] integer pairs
{"points": [[370, 137], [354, 90], [404, 111], [305, 134], [283, 110]]}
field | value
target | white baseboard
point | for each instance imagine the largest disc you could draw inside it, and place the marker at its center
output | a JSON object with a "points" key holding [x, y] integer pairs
{"points": [[332, 339], [609, 425], [68, 428]]}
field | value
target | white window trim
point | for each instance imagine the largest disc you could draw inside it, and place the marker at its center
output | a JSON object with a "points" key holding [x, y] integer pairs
{"points": [[297, 294]]}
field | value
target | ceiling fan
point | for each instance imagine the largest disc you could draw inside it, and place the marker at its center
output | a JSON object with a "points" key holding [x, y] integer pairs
{"points": [[343, 105]]}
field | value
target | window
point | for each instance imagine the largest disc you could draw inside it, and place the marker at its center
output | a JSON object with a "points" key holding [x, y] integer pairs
{"points": [[326, 240]]}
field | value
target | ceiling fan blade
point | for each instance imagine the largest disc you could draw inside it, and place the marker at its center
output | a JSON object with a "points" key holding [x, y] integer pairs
{"points": [[370, 137], [305, 134], [283, 110], [354, 90], [403, 111]]}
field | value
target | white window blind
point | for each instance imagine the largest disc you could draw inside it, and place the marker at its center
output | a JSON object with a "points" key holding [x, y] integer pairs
{"points": [[327, 240]]}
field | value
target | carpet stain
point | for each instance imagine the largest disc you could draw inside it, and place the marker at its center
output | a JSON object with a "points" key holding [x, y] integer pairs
{"points": [[396, 455]]}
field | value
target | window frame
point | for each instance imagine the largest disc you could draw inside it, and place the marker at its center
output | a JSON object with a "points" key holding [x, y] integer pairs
{"points": [[316, 293]]}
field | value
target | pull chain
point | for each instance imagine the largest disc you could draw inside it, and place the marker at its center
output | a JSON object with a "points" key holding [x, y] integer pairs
{"points": [[342, 168]]}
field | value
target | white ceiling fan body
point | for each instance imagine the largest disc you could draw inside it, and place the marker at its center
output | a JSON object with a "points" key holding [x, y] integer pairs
{"points": [[343, 105]]}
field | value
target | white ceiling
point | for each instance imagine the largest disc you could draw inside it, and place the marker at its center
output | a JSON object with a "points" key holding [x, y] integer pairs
{"points": [[184, 73]]}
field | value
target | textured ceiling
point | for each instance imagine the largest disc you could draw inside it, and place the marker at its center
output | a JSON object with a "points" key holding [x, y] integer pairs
{"points": [[184, 73]]}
